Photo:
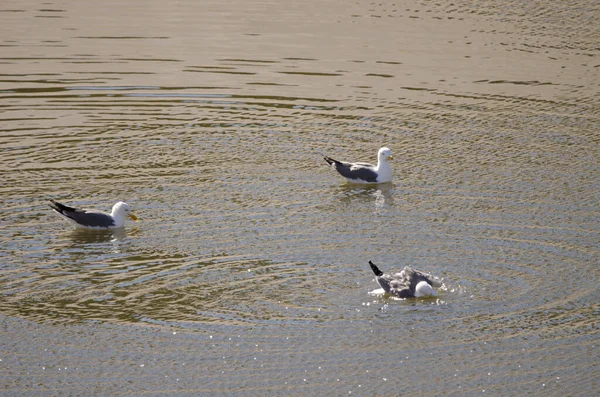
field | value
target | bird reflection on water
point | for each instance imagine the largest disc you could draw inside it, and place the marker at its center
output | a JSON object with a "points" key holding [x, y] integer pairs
{"points": [[98, 241], [382, 194]]}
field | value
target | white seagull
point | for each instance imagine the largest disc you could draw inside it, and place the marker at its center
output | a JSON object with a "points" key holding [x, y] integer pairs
{"points": [[408, 283], [91, 219], [365, 172]]}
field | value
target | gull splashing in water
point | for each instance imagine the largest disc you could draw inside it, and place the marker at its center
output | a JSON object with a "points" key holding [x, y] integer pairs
{"points": [[408, 283]]}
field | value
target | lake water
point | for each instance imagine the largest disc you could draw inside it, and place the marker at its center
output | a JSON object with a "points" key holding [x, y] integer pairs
{"points": [[248, 272]]}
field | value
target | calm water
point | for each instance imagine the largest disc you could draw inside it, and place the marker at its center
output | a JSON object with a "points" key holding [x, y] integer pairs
{"points": [[247, 274]]}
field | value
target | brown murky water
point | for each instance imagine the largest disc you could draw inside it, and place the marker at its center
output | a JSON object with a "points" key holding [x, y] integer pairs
{"points": [[247, 274]]}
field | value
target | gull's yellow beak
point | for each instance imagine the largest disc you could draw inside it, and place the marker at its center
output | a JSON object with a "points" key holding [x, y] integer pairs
{"points": [[391, 157], [132, 217]]}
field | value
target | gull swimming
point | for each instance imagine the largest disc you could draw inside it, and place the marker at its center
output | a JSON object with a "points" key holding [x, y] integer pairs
{"points": [[365, 172], [408, 283], [92, 219]]}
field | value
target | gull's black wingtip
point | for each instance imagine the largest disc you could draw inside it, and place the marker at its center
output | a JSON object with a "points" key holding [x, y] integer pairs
{"points": [[329, 160], [54, 205], [375, 269], [60, 207]]}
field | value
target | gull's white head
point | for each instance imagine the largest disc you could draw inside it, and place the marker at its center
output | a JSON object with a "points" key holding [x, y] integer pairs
{"points": [[423, 289], [122, 209], [384, 154]]}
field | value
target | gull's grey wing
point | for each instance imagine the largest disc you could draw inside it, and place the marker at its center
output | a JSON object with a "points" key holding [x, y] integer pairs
{"points": [[404, 284], [92, 219], [401, 286], [362, 171], [83, 217], [417, 276]]}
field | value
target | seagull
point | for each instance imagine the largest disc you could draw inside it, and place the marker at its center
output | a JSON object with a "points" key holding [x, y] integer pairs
{"points": [[365, 172], [91, 219], [408, 283]]}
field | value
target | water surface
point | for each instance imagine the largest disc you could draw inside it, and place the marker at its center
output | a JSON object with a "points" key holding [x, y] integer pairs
{"points": [[248, 272]]}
